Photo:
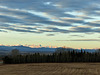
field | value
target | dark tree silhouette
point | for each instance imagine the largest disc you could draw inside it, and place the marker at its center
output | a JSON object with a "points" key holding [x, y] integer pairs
{"points": [[57, 57]]}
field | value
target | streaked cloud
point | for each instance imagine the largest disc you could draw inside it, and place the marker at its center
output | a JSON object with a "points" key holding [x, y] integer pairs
{"points": [[50, 34], [76, 35], [81, 40], [65, 16]]}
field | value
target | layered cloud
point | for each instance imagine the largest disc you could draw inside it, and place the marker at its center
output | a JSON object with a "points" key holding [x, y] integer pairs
{"points": [[81, 40], [50, 16]]}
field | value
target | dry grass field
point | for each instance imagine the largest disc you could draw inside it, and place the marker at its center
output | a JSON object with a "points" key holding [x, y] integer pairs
{"points": [[51, 69]]}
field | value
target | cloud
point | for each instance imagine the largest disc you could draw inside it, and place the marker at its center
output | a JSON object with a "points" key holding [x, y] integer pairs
{"points": [[3, 31], [81, 40], [81, 29], [50, 34], [94, 23], [77, 35], [73, 20], [24, 15], [22, 30], [7, 19], [55, 23], [54, 29], [77, 4]]}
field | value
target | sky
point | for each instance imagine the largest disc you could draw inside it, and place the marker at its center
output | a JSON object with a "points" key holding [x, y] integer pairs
{"points": [[70, 23]]}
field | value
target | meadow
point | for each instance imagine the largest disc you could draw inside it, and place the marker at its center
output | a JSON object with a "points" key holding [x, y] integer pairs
{"points": [[50, 69]]}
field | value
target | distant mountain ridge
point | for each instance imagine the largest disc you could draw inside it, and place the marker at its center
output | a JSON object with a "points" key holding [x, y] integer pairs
{"points": [[21, 48], [25, 49]]}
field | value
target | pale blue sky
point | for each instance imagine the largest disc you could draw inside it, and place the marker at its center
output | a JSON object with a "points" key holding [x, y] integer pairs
{"points": [[67, 23]]}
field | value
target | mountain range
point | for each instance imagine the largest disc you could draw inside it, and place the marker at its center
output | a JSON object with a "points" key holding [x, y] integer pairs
{"points": [[26, 49]]}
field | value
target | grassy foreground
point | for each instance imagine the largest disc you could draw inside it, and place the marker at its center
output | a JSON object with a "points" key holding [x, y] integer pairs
{"points": [[51, 69]]}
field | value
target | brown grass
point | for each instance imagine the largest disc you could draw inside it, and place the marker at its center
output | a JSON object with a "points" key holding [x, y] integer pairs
{"points": [[51, 69]]}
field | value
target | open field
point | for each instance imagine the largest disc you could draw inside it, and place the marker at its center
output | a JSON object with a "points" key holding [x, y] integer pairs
{"points": [[51, 69]]}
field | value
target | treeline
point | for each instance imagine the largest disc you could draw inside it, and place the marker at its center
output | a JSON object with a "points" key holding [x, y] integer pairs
{"points": [[60, 57]]}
